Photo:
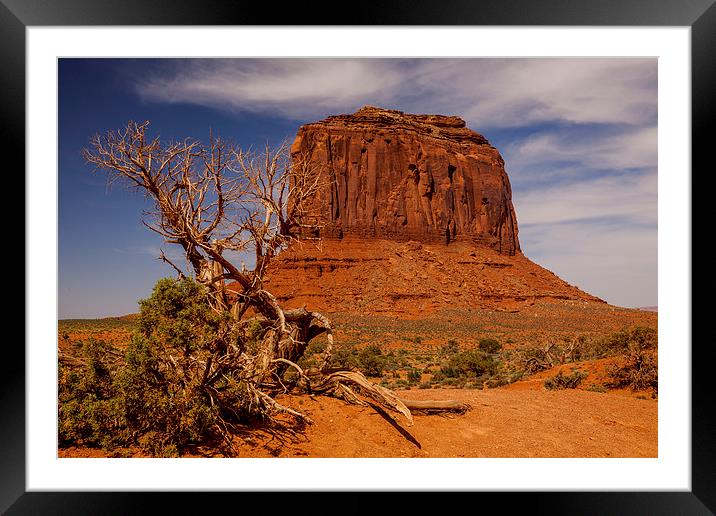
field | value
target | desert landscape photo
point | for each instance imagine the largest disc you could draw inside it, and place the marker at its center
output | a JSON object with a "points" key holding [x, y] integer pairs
{"points": [[351, 258]]}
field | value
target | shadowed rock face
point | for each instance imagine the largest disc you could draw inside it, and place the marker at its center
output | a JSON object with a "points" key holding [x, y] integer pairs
{"points": [[388, 174]]}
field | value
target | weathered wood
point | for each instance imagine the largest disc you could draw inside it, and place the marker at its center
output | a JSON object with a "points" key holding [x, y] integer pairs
{"points": [[359, 386], [436, 405]]}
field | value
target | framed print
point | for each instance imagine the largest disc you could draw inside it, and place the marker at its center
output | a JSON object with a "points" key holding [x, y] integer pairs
{"points": [[416, 142]]}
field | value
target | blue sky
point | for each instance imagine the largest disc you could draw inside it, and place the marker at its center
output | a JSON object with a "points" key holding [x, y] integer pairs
{"points": [[579, 138]]}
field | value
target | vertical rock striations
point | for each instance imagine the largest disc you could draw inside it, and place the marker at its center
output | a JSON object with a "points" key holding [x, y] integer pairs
{"points": [[388, 174]]}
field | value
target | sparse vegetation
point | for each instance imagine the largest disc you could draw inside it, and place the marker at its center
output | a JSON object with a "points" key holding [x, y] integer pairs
{"points": [[451, 347], [489, 345], [444, 366], [414, 376], [371, 360], [490, 365], [638, 368], [597, 388], [565, 381], [414, 340], [470, 363]]}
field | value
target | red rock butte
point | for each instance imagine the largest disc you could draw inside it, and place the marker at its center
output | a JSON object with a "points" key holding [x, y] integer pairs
{"points": [[414, 215], [393, 175]]}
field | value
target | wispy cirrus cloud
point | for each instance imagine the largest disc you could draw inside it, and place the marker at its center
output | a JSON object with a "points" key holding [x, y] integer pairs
{"points": [[618, 149], [630, 199], [516, 92], [488, 92], [290, 87]]}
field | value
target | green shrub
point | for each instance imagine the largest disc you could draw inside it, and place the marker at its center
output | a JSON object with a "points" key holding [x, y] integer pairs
{"points": [[154, 396], [562, 381], [88, 413], [392, 363], [489, 345], [371, 361], [451, 347], [314, 354], [437, 376], [516, 376], [345, 357], [475, 385], [400, 384], [448, 371], [414, 376], [596, 347], [640, 338], [472, 362]]}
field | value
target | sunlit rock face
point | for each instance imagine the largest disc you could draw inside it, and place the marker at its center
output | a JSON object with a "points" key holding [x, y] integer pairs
{"points": [[392, 175]]}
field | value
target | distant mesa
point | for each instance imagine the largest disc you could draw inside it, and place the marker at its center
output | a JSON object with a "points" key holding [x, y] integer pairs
{"points": [[389, 174], [415, 215]]}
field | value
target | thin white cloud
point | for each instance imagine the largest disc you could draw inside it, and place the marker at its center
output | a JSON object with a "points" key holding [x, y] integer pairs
{"points": [[633, 148], [289, 87], [632, 199]]}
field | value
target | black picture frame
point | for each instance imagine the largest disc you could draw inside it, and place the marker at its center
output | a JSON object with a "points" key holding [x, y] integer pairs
{"points": [[700, 15]]}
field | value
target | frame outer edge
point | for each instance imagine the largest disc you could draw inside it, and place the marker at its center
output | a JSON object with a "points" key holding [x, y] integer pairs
{"points": [[12, 143], [703, 98], [12, 84]]}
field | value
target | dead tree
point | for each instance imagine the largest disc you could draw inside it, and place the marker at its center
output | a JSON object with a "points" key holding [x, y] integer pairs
{"points": [[214, 200], [572, 348]]}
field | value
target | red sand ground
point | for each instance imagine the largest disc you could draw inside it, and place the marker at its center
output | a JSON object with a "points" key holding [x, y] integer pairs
{"points": [[504, 422]]}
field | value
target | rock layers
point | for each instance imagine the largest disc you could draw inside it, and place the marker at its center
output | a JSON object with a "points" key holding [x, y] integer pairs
{"points": [[412, 279], [415, 216], [388, 174]]}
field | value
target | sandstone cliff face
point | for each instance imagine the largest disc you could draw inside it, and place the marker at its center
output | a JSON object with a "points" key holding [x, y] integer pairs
{"points": [[388, 174]]}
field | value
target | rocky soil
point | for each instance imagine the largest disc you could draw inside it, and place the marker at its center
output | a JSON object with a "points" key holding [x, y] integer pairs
{"points": [[409, 279]]}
